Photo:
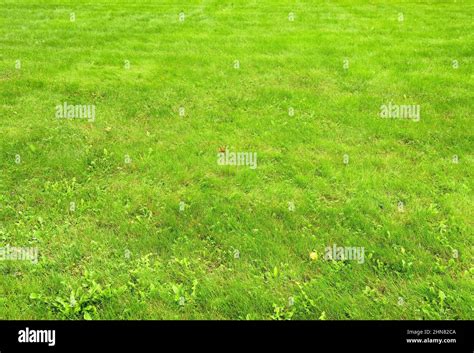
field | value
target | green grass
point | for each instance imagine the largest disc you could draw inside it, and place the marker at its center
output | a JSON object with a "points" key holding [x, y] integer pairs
{"points": [[183, 265]]}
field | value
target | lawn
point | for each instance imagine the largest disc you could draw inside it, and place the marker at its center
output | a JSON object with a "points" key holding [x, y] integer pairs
{"points": [[132, 213]]}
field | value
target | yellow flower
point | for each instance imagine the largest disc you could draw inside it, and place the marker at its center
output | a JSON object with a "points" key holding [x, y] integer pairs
{"points": [[313, 255]]}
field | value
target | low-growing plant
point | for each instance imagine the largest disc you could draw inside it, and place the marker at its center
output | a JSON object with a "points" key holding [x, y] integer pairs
{"points": [[81, 302]]}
